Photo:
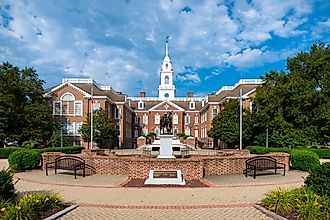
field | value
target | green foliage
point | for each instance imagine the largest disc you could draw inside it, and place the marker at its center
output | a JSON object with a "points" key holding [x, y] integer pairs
{"points": [[7, 190], [319, 180], [31, 206], [266, 150], [295, 105], [303, 202], [24, 115], [304, 160], [182, 135], [5, 152], [322, 153], [66, 150], [55, 141], [24, 159], [225, 126], [103, 128], [31, 144]]}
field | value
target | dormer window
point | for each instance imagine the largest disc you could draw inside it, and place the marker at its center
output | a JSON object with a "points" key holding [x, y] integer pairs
{"points": [[191, 105], [141, 105]]}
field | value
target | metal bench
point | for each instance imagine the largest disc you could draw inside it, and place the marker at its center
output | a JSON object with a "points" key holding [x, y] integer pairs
{"points": [[262, 163], [67, 163]]}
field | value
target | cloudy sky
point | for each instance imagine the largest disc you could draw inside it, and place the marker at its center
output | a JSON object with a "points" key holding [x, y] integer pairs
{"points": [[121, 43]]}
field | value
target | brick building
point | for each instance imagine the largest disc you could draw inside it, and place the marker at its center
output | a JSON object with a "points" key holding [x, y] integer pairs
{"points": [[136, 116]]}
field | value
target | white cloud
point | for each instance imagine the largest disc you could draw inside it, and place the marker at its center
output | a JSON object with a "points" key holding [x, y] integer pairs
{"points": [[189, 77]]}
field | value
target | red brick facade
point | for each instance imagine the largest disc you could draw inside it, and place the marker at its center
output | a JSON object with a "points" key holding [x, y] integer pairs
{"points": [[192, 168]]}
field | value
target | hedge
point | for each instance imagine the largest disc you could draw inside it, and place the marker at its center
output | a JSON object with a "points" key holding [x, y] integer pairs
{"points": [[319, 180], [304, 160], [322, 153], [5, 152], [266, 150]]}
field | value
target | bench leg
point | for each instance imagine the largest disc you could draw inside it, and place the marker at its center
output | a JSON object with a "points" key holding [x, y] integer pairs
{"points": [[284, 171], [254, 173], [275, 170], [75, 173], [84, 172], [46, 171]]}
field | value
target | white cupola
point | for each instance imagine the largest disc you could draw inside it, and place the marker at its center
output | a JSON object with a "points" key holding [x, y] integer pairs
{"points": [[166, 89]]}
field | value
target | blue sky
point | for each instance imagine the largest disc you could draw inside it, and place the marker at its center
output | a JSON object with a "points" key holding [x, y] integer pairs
{"points": [[121, 43]]}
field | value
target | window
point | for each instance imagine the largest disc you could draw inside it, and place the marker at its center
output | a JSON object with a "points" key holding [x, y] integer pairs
{"points": [[67, 104], [136, 133], [157, 119], [117, 113], [167, 80], [57, 108], [166, 95], [96, 106], [157, 132], [196, 119], [166, 65], [175, 119], [175, 131], [145, 119], [145, 131], [77, 127], [196, 133], [136, 119], [187, 131], [191, 105], [187, 119], [78, 108], [253, 108], [214, 112], [141, 105], [71, 128]]}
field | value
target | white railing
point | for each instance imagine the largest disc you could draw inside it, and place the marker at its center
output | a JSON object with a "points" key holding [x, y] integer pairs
{"points": [[240, 82], [137, 98]]}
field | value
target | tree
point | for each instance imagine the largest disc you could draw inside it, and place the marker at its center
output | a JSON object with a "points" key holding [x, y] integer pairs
{"points": [[225, 126], [295, 105], [24, 115], [104, 129]]}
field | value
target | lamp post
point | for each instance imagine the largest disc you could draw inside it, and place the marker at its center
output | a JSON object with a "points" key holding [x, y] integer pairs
{"points": [[267, 136], [240, 120]]}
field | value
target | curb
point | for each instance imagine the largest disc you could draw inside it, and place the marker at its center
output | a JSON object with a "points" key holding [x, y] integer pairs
{"points": [[269, 213], [61, 213]]}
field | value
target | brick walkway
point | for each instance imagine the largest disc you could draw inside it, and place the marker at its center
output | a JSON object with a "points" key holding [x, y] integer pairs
{"points": [[100, 197]]}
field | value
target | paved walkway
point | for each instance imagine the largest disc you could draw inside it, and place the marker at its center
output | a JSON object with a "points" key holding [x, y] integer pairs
{"points": [[101, 197]]}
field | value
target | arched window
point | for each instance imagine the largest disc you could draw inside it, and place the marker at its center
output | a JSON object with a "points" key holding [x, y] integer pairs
{"points": [[68, 104], [166, 95], [167, 80]]}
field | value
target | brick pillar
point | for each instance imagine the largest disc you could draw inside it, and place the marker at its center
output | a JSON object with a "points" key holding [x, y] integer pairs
{"points": [[141, 141]]}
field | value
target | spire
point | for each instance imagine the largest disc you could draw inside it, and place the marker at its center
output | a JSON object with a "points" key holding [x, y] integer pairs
{"points": [[166, 46]]}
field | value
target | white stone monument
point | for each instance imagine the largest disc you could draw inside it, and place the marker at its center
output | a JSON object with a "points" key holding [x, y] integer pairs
{"points": [[165, 177], [166, 150]]}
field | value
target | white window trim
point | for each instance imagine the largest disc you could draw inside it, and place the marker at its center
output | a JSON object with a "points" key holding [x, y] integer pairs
{"points": [[75, 132], [54, 102], [139, 105], [191, 105], [74, 108], [175, 119], [186, 121], [157, 119]]}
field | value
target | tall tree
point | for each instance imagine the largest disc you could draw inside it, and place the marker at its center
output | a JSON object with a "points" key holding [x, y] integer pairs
{"points": [[104, 130], [295, 105], [225, 126], [23, 113]]}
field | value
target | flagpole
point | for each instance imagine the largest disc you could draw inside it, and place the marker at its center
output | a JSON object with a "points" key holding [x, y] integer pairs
{"points": [[92, 117], [240, 120]]}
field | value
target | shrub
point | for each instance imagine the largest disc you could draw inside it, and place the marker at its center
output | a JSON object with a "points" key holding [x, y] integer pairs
{"points": [[66, 150], [303, 202], [322, 153], [24, 159], [31, 206], [5, 152], [319, 180], [304, 160], [7, 190], [266, 150]]}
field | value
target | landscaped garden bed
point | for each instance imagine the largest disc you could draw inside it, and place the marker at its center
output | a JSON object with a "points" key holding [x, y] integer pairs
{"points": [[28, 206], [311, 201]]}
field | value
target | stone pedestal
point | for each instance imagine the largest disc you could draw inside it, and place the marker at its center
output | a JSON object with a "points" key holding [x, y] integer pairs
{"points": [[166, 146], [165, 177]]}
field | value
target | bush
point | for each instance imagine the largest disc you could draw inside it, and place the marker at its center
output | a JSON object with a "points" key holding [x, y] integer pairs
{"points": [[266, 150], [7, 190], [24, 159], [5, 152], [319, 180], [304, 160], [322, 153], [31, 144], [31, 206], [303, 203], [66, 150]]}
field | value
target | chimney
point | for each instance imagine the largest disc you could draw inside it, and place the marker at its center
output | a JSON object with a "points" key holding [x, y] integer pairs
{"points": [[190, 94], [142, 94]]}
